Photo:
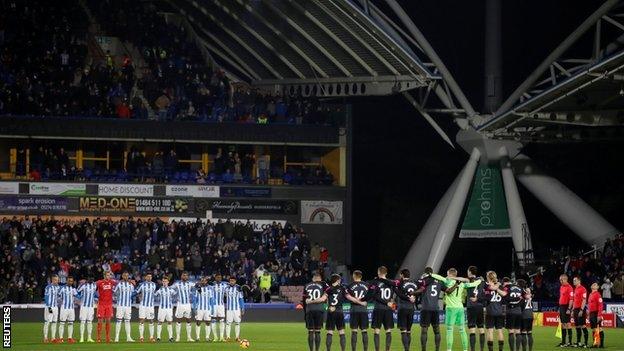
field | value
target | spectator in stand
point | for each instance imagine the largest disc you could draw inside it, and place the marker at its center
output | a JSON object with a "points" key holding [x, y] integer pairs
{"points": [[606, 289], [618, 287]]}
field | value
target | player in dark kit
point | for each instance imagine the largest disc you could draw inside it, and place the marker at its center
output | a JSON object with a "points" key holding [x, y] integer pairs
{"points": [[359, 312], [406, 291], [381, 291], [313, 299], [475, 298], [494, 318], [336, 295], [513, 319], [526, 329], [429, 289]]}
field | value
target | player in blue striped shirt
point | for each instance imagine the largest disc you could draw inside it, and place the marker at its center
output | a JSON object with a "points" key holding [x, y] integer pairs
{"points": [[165, 310], [184, 291], [218, 310], [235, 308], [146, 307], [86, 294], [124, 293], [203, 301], [50, 313], [67, 314]]}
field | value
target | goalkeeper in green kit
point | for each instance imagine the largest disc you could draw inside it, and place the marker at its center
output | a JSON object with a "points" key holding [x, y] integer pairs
{"points": [[454, 309]]}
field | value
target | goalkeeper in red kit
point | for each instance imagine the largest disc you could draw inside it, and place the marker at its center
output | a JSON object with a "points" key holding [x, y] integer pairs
{"points": [[105, 304]]}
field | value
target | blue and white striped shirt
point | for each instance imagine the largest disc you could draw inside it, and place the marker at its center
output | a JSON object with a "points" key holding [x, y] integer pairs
{"points": [[67, 294], [147, 290], [219, 293], [124, 292], [86, 293], [51, 295], [184, 292], [234, 298], [205, 298], [166, 294]]}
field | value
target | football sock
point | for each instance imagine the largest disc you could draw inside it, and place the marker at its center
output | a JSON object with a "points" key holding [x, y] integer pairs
{"points": [[228, 330], [578, 335], [311, 340], [188, 331], [523, 339], [437, 337], [61, 329], [151, 329], [198, 331], [178, 330], [141, 329], [237, 330], [99, 330], [464, 337], [473, 341], [207, 327], [53, 326], [601, 338], [490, 345], [317, 340], [46, 328], [82, 329], [501, 345], [214, 330], [482, 340], [170, 330], [365, 340], [388, 339], [449, 337], [343, 342], [376, 341], [585, 335], [512, 341], [127, 325], [423, 339], [404, 341], [564, 333], [328, 341], [117, 329], [70, 330], [158, 330], [107, 327], [221, 329], [519, 338], [570, 336], [353, 341]]}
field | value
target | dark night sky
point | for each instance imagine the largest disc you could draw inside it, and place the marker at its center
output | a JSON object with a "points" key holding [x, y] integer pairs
{"points": [[401, 167]]}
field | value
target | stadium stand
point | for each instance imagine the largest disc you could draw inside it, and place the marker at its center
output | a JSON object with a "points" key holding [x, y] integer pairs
{"points": [[34, 248]]}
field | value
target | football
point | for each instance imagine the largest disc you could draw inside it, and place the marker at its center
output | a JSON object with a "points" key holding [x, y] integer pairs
{"points": [[244, 344]]}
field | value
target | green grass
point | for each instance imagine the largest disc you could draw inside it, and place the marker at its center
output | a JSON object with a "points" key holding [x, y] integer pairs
{"points": [[269, 337]]}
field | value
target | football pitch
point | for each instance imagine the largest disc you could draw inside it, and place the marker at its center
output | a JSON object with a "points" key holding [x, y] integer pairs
{"points": [[271, 337]]}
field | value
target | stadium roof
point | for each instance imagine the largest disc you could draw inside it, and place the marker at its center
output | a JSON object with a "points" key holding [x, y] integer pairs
{"points": [[330, 45]]}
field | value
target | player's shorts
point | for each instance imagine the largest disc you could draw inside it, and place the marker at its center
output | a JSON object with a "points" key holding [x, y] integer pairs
{"points": [[67, 315], [382, 318], [476, 317], [50, 317], [593, 320], [527, 325], [580, 317], [359, 320], [513, 321], [428, 318], [335, 321], [183, 311], [123, 312], [405, 319], [218, 311], [105, 311], [564, 317], [233, 316], [165, 314], [146, 312], [203, 315], [86, 313], [454, 316], [494, 322], [314, 320]]}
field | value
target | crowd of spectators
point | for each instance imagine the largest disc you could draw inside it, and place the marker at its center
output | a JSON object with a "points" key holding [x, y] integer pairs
{"points": [[33, 248], [604, 266]]}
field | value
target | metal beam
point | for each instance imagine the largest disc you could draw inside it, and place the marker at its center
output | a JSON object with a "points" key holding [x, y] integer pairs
{"points": [[241, 42], [555, 54], [428, 49], [260, 38], [281, 35], [428, 118]]}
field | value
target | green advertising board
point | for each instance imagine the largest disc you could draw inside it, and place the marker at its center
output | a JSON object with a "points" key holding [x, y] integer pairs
{"points": [[486, 215]]}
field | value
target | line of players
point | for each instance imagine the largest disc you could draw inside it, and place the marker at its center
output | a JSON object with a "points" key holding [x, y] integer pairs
{"points": [[214, 303], [489, 306]]}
